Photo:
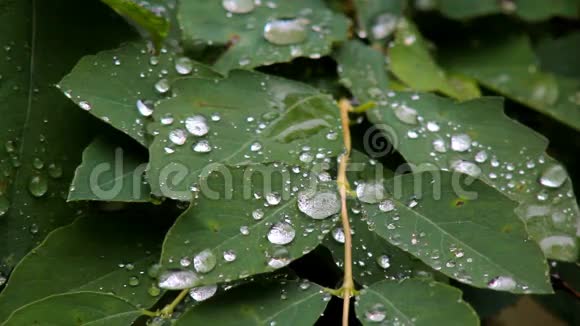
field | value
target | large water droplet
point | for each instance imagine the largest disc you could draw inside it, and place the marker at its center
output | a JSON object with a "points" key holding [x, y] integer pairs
{"points": [[386, 206], [204, 262], [338, 235], [376, 313], [384, 25], [460, 142], [406, 114], [286, 31], [273, 198], [38, 186], [258, 214], [318, 205], [466, 167], [502, 283], [145, 108], [178, 136], [281, 233], [162, 86], [178, 280], [384, 261], [197, 125], [183, 65], [554, 176], [278, 257], [203, 293], [230, 255], [239, 6], [370, 192]]}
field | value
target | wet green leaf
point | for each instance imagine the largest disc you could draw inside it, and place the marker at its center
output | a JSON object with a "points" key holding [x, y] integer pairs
{"points": [[247, 221], [111, 83], [508, 66], [414, 302], [244, 119], [376, 18], [309, 29], [78, 308], [111, 172], [461, 230], [95, 253], [412, 63], [533, 10], [282, 303], [151, 18], [42, 134]]}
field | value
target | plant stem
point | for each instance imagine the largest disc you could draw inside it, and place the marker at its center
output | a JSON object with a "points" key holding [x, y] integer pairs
{"points": [[167, 311], [348, 283]]}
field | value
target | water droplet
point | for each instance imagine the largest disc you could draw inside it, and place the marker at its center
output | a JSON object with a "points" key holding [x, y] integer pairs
{"points": [[230, 255], [439, 146], [273, 198], [318, 205], [133, 281], [433, 126], [286, 31], [238, 6], [202, 146], [562, 245], [55, 170], [185, 262], [37, 163], [178, 280], [278, 257], [256, 146], [167, 119], [38, 186], [406, 114], [466, 167], [204, 262], [502, 283], [244, 230], [460, 142], [384, 261], [85, 105], [481, 157], [4, 205], [306, 157], [376, 313], [178, 136], [554, 176], [145, 108], [197, 125], [370, 192], [386, 206], [304, 285], [203, 293], [281, 233], [384, 25], [162, 86], [183, 66], [338, 235], [258, 214]]}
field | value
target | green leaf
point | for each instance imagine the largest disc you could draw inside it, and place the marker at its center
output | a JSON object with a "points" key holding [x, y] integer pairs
{"points": [[252, 118], [148, 17], [414, 302], [96, 253], [376, 19], [42, 135], [281, 304], [533, 10], [412, 63], [111, 172], [249, 221], [559, 55], [508, 66], [243, 34], [111, 83], [460, 230], [77, 308], [374, 258]]}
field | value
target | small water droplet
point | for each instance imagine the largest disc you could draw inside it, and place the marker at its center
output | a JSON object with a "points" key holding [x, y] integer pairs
{"points": [[460, 142], [466, 167], [406, 114], [162, 86], [202, 146], [145, 108], [133, 281], [183, 65], [384, 261], [338, 235], [258, 214], [55, 170], [286, 31], [376, 314], [386, 206], [273, 198], [281, 233], [230, 255], [433, 126], [178, 136], [85, 105], [256, 146], [383, 26], [481, 157], [439, 146], [238, 6], [197, 125]]}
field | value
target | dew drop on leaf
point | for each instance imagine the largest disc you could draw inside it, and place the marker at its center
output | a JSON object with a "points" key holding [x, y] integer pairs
{"points": [[85, 105], [202, 146], [133, 281], [204, 262], [239, 6], [460, 142], [38, 186], [338, 235], [384, 261], [370, 192], [278, 257], [203, 293], [281, 233], [55, 170], [178, 280], [554, 176], [386, 206], [178, 136], [258, 214], [481, 157], [273, 198], [406, 114], [4, 205], [318, 205], [502, 283], [376, 314], [256, 146], [439, 146], [145, 108], [383, 26], [183, 66], [286, 31], [197, 125], [230, 255], [162, 86], [466, 167]]}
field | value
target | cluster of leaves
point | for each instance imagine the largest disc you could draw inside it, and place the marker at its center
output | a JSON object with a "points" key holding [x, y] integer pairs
{"points": [[185, 158]]}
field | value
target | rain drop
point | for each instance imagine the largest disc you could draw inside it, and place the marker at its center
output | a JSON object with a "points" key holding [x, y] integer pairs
{"points": [[203, 293], [460, 142], [230, 255], [85, 105], [466, 167], [197, 125], [286, 31], [279, 257], [406, 114], [178, 280], [554, 176], [502, 283], [370, 192], [204, 262], [318, 205], [183, 66], [178, 136], [281, 233], [376, 313], [145, 108], [384, 261], [38, 186], [338, 235], [202, 146], [238, 6], [273, 198], [162, 86]]}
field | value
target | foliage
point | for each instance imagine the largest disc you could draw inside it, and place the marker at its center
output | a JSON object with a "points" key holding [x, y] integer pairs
{"points": [[244, 162]]}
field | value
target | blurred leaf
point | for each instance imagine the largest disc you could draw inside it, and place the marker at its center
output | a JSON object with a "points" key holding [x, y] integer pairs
{"points": [[96, 253], [314, 31], [487, 303], [151, 18], [77, 308], [244, 119], [111, 83], [247, 221], [532, 10], [508, 66], [377, 18], [414, 302], [282, 304], [560, 55], [435, 218], [111, 172], [42, 134], [412, 63]]}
